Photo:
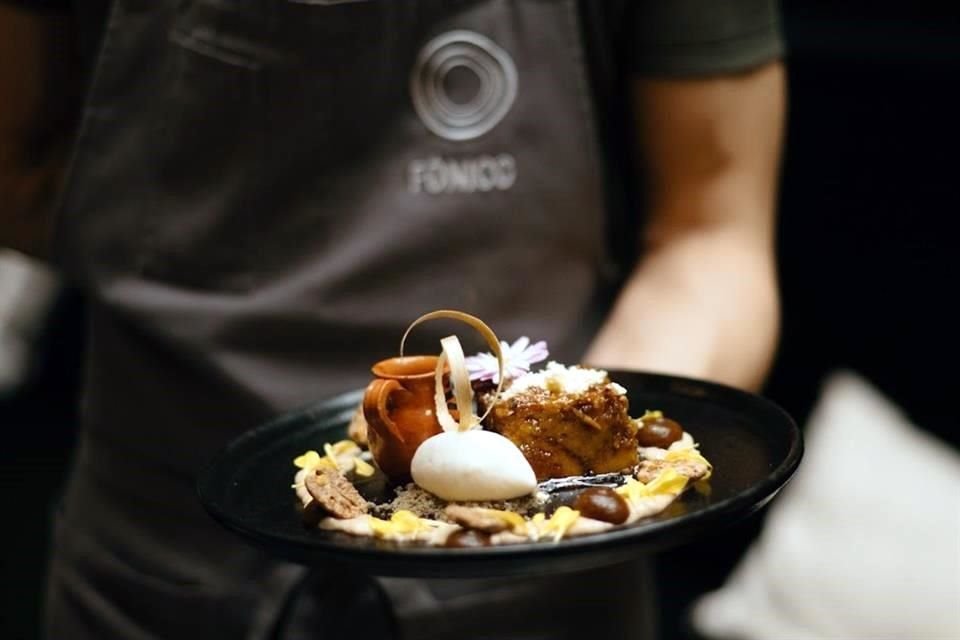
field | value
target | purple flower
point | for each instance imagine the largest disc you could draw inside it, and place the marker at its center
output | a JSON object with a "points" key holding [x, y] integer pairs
{"points": [[517, 359]]}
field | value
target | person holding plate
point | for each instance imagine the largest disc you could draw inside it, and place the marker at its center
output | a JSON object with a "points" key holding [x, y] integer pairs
{"points": [[256, 197]]}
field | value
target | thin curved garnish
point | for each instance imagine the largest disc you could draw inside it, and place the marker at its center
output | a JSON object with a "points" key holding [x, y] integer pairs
{"points": [[452, 353], [692, 455], [556, 526], [402, 525], [669, 482]]}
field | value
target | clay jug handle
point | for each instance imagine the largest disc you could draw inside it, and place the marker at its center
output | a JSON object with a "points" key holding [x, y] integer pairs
{"points": [[375, 405]]}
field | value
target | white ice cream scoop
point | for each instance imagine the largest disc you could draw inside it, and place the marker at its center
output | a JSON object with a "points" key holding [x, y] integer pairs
{"points": [[474, 465]]}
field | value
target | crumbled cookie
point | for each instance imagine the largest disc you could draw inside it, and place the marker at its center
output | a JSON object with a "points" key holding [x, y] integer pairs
{"points": [[478, 518], [648, 470], [335, 494]]}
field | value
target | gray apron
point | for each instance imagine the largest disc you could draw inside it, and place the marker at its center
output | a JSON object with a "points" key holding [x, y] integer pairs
{"points": [[264, 194]]}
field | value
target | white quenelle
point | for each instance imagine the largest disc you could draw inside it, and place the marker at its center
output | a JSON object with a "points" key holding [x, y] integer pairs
{"points": [[475, 465]]}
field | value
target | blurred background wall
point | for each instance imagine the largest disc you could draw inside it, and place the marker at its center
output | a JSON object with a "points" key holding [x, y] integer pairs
{"points": [[868, 201]]}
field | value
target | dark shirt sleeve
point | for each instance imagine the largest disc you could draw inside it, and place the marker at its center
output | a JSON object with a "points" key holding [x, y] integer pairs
{"points": [[702, 37]]}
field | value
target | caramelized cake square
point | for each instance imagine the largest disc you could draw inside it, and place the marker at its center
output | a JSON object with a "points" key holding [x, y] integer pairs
{"points": [[567, 421]]}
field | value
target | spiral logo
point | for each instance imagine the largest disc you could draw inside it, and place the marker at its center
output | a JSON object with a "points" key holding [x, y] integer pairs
{"points": [[462, 85]]}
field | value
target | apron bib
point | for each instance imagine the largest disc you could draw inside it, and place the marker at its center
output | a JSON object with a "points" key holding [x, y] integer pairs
{"points": [[264, 194]]}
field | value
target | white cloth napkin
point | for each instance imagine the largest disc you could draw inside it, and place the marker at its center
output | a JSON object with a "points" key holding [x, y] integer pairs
{"points": [[864, 543]]}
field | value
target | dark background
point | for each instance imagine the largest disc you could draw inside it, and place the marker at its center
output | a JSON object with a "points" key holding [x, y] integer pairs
{"points": [[868, 198]]}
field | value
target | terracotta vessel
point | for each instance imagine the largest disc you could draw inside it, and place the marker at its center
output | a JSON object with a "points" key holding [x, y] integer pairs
{"points": [[399, 408]]}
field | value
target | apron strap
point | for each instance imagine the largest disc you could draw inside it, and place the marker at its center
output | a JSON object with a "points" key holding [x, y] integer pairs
{"points": [[602, 41]]}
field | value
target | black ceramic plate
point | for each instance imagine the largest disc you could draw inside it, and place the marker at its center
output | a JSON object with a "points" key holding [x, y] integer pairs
{"points": [[754, 446]]}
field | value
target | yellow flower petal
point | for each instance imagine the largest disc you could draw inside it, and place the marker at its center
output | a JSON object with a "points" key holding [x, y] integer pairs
{"points": [[561, 520], [362, 468], [514, 520], [331, 456], [669, 482], [345, 447], [327, 462], [309, 460], [632, 490], [402, 523], [692, 455], [380, 528]]}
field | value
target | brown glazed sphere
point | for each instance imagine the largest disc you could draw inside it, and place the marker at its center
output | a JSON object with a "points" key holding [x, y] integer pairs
{"points": [[659, 432], [602, 503]]}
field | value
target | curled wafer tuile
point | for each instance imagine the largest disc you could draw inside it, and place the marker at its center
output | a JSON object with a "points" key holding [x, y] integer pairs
{"points": [[452, 354]]}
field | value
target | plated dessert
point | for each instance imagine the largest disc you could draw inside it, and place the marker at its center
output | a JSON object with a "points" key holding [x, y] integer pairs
{"points": [[456, 451]]}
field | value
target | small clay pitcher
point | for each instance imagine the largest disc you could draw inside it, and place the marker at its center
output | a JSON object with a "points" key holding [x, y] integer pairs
{"points": [[399, 408]]}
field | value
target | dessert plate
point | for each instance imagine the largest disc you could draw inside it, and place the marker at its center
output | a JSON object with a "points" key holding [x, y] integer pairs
{"points": [[754, 445]]}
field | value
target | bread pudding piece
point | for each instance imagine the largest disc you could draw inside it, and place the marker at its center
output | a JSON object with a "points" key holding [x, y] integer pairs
{"points": [[567, 421]]}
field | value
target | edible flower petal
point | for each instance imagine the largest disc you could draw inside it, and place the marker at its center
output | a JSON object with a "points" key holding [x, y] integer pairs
{"points": [[345, 447], [518, 358], [339, 456], [692, 455], [402, 524], [331, 456], [669, 482], [308, 460], [516, 521], [558, 524], [362, 468]]}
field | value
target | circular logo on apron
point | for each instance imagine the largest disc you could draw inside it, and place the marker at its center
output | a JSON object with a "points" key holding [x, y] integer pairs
{"points": [[462, 85]]}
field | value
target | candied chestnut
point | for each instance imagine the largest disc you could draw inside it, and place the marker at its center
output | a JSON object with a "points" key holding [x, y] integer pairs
{"points": [[658, 431], [602, 503], [467, 538]]}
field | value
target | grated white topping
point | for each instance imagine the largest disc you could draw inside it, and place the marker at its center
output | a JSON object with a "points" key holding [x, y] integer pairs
{"points": [[572, 380]]}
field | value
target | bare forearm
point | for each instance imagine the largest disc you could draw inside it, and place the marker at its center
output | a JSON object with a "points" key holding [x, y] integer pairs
{"points": [[703, 301], [701, 307]]}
